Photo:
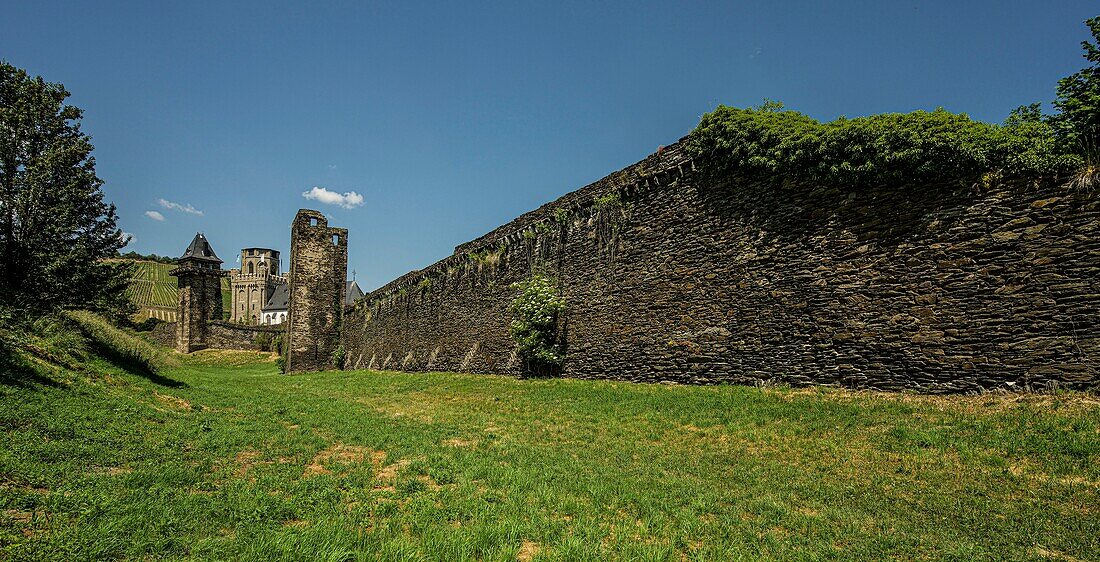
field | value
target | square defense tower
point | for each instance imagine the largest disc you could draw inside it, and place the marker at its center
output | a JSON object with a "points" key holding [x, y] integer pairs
{"points": [[198, 274], [318, 270]]}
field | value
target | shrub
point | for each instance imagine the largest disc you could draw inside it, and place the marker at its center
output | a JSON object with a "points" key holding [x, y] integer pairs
{"points": [[268, 341], [537, 308], [339, 356], [116, 343]]}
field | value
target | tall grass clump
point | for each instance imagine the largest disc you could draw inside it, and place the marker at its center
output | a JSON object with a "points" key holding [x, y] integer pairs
{"points": [[117, 343]]}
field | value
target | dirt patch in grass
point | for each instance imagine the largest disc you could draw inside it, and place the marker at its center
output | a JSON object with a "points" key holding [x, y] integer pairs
{"points": [[389, 472], [459, 442], [231, 357], [173, 402], [30, 523], [527, 551], [1054, 555], [112, 470], [975, 404], [247, 460], [340, 453]]}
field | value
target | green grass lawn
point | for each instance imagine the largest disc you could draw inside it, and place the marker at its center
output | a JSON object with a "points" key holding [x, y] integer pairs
{"points": [[222, 458]]}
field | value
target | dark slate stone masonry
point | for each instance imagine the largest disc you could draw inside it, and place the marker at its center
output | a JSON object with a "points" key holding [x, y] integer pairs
{"points": [[695, 280]]}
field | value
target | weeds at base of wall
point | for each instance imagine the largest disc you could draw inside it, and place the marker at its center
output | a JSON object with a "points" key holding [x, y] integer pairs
{"points": [[270, 342], [339, 357]]}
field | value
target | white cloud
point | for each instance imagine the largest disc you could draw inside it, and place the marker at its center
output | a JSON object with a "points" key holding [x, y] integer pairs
{"points": [[154, 215], [177, 207], [348, 200]]}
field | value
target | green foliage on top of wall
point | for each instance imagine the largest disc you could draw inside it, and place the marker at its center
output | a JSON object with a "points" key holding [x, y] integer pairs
{"points": [[921, 147], [609, 200]]}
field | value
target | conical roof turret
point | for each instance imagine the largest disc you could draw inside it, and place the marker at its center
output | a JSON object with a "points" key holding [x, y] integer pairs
{"points": [[201, 250]]}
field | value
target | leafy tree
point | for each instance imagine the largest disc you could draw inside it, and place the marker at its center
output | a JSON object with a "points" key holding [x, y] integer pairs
{"points": [[55, 229], [1078, 103]]}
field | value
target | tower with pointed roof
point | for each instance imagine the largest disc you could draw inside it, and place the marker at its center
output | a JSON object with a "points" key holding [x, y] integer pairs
{"points": [[198, 273]]}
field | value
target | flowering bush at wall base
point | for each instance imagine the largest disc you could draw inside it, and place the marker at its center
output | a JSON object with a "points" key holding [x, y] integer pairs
{"points": [[536, 309]]}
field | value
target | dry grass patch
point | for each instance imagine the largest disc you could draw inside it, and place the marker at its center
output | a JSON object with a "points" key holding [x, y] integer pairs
{"points": [[527, 551], [972, 404], [246, 460], [459, 442], [340, 453], [173, 402], [1054, 555], [231, 357]]}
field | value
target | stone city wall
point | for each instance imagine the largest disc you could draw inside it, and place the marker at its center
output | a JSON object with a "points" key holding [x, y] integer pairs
{"points": [[672, 278], [228, 335], [164, 333]]}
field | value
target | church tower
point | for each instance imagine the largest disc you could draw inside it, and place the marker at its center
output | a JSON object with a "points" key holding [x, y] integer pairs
{"points": [[198, 273], [253, 284]]}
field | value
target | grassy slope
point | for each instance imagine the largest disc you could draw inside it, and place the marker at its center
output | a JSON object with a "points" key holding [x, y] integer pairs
{"points": [[226, 458], [152, 286]]}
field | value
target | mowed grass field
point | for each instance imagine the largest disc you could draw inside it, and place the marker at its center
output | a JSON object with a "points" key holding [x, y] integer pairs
{"points": [[152, 286], [224, 458]]}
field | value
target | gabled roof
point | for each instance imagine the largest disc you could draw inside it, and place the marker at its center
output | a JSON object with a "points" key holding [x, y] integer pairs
{"points": [[352, 293], [200, 250], [279, 298]]}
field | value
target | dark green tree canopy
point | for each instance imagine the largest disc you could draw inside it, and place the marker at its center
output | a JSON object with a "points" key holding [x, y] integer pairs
{"points": [[1078, 103], [55, 229]]}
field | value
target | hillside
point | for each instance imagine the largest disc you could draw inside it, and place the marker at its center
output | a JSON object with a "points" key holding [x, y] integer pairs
{"points": [[155, 293], [220, 457]]}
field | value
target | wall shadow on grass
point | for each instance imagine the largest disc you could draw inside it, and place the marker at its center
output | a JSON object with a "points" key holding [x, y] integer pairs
{"points": [[143, 369]]}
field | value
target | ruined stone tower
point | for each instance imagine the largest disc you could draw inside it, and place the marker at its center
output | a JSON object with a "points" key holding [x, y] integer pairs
{"points": [[318, 270], [198, 273]]}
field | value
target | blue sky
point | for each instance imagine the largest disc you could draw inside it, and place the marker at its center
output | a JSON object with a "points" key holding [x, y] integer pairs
{"points": [[450, 119]]}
